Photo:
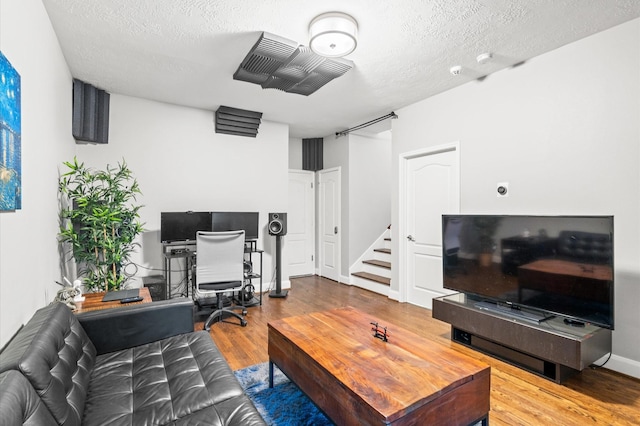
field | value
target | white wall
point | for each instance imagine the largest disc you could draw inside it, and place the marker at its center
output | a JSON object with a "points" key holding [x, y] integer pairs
{"points": [[182, 164], [295, 153], [29, 263], [564, 130], [365, 164], [369, 191]]}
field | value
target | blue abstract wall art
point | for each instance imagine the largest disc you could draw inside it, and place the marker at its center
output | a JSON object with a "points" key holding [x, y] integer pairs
{"points": [[10, 131]]}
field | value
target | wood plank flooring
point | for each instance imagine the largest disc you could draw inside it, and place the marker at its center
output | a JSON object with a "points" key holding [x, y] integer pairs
{"points": [[594, 397]]}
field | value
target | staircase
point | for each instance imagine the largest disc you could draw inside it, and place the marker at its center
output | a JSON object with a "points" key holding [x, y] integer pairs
{"points": [[374, 267]]}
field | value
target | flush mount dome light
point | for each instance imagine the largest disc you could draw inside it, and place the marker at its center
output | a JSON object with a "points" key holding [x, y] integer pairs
{"points": [[333, 34]]}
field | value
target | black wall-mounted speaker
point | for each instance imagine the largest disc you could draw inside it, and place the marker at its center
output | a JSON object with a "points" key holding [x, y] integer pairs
{"points": [[90, 113], [277, 224]]}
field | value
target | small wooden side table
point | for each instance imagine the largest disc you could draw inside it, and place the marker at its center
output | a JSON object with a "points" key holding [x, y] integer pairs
{"points": [[93, 301]]}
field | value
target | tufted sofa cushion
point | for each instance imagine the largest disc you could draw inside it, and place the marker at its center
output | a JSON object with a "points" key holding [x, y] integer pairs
{"points": [[180, 380], [53, 352], [19, 403]]}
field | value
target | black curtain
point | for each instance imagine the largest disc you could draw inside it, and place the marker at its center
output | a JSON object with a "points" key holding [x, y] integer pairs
{"points": [[312, 154]]}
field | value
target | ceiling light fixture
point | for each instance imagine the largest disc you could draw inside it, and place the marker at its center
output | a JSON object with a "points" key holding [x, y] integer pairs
{"points": [[333, 34]]}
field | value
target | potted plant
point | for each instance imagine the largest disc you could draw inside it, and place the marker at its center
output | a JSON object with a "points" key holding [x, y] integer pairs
{"points": [[486, 227], [100, 221]]}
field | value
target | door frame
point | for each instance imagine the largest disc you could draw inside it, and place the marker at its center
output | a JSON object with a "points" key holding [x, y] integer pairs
{"points": [[321, 219], [312, 233], [404, 159]]}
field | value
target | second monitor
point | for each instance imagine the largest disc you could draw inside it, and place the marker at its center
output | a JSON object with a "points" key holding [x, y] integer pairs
{"points": [[233, 221]]}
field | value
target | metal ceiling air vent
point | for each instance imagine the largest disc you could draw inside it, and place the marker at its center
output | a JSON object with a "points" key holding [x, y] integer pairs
{"points": [[278, 63], [238, 122]]}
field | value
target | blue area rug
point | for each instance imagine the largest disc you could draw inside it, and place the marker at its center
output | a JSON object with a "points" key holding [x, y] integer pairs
{"points": [[284, 404]]}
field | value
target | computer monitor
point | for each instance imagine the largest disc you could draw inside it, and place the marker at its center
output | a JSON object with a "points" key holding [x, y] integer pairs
{"points": [[182, 226], [235, 221]]}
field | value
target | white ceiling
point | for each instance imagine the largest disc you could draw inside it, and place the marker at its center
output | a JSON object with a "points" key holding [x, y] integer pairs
{"points": [[185, 51]]}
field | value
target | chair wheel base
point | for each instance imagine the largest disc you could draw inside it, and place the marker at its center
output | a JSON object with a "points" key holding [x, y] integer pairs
{"points": [[220, 314]]}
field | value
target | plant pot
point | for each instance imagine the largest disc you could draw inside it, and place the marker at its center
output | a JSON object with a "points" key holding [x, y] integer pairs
{"points": [[485, 259]]}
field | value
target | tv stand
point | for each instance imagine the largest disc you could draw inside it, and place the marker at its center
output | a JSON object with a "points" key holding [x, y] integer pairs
{"points": [[550, 348]]}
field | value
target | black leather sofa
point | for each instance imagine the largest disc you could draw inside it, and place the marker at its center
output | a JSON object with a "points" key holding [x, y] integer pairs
{"points": [[135, 365], [585, 247]]}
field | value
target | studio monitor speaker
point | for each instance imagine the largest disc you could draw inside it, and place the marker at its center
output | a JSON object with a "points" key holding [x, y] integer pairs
{"points": [[277, 224], [90, 113]]}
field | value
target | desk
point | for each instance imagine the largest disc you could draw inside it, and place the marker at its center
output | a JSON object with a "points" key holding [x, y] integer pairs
{"points": [[187, 250], [93, 302], [183, 250], [251, 275]]}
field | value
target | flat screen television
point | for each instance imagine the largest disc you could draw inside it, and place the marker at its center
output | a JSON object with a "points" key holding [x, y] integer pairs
{"points": [[235, 221], [182, 226], [548, 265]]}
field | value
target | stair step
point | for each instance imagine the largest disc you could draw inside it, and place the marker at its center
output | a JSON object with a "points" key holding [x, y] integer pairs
{"points": [[373, 277], [380, 263], [383, 250]]}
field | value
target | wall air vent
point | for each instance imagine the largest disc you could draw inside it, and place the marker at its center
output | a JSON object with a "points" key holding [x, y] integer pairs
{"points": [[238, 122], [278, 63]]}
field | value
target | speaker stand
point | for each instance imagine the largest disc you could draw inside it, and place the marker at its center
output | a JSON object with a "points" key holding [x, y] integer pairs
{"points": [[278, 292]]}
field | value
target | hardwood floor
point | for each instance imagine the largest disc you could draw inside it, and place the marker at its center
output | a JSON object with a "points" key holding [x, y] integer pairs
{"points": [[594, 397]]}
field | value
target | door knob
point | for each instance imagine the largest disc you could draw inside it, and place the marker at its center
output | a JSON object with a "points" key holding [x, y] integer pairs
{"points": [[410, 238]]}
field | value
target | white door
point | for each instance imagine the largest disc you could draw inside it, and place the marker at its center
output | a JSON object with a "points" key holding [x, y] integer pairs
{"points": [[329, 230], [300, 241], [431, 188]]}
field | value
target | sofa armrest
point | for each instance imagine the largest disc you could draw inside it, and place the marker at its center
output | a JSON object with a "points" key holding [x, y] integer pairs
{"points": [[20, 404], [134, 325]]}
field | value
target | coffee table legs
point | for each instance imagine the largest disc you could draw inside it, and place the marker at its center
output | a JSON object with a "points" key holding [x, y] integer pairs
{"points": [[270, 374], [483, 421]]}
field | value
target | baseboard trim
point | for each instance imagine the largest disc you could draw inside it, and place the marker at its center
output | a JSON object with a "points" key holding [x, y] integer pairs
{"points": [[623, 365], [394, 295]]}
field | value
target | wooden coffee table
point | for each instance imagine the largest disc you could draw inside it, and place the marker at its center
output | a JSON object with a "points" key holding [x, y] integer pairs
{"points": [[357, 379]]}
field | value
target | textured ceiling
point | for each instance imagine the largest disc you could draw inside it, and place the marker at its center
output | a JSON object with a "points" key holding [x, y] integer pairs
{"points": [[185, 51]]}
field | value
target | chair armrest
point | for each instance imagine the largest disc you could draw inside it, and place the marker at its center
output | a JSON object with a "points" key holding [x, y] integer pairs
{"points": [[129, 326]]}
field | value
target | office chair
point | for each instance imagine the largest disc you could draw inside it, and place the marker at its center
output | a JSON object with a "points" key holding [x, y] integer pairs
{"points": [[219, 269]]}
